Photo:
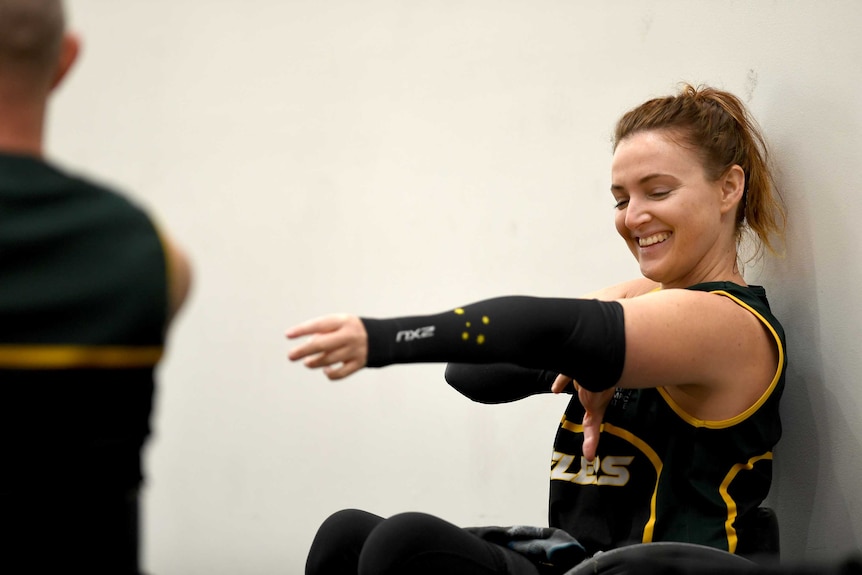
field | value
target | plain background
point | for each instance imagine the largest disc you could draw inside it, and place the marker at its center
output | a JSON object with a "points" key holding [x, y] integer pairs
{"points": [[388, 157]]}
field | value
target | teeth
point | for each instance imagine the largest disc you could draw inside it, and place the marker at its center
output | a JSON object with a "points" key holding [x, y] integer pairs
{"points": [[657, 238]]}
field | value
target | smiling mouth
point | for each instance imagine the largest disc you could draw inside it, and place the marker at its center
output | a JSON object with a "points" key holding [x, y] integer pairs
{"points": [[653, 239]]}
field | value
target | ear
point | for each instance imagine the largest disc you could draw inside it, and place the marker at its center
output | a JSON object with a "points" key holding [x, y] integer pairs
{"points": [[732, 188], [69, 50]]}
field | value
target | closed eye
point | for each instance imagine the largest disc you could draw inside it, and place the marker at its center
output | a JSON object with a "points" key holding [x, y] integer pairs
{"points": [[657, 195]]}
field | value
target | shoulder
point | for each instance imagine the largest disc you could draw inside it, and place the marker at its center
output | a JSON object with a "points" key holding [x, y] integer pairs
{"points": [[179, 275], [728, 307], [625, 290], [119, 207], [748, 298], [681, 336], [684, 304]]}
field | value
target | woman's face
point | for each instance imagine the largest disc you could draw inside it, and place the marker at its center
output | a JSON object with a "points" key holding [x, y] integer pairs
{"points": [[668, 212]]}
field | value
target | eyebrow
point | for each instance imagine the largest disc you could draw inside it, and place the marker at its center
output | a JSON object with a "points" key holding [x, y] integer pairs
{"points": [[640, 182]]}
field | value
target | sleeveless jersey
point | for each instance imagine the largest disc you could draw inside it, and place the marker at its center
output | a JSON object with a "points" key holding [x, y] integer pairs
{"points": [[83, 312], [662, 475]]}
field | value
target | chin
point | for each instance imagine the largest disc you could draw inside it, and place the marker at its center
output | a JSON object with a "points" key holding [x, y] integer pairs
{"points": [[652, 274]]}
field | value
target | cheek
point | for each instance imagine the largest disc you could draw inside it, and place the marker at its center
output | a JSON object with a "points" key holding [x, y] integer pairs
{"points": [[620, 224]]}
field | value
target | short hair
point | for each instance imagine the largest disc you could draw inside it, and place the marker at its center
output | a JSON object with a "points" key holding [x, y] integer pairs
{"points": [[31, 33], [718, 125]]}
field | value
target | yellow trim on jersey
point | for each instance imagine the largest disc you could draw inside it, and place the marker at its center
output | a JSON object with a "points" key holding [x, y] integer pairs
{"points": [[74, 356], [724, 423], [732, 539], [640, 444]]}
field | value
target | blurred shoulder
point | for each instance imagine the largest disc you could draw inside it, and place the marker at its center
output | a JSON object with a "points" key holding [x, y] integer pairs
{"points": [[179, 275]]}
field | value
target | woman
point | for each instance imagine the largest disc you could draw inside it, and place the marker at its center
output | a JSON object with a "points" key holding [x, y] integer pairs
{"points": [[677, 374]]}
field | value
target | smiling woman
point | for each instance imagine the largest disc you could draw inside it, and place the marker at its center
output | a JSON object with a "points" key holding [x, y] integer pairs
{"points": [[678, 223], [676, 376], [715, 126]]}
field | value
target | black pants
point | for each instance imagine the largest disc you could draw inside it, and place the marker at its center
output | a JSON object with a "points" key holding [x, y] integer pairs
{"points": [[70, 530], [353, 542]]}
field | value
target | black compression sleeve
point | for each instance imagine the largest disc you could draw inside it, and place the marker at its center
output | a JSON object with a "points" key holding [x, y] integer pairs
{"points": [[498, 382], [584, 339]]}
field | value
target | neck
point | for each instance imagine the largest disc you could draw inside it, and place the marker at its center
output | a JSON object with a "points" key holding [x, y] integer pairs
{"points": [[721, 266], [22, 128]]}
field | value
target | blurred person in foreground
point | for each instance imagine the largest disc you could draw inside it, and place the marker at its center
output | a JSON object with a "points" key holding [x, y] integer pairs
{"points": [[88, 287]]}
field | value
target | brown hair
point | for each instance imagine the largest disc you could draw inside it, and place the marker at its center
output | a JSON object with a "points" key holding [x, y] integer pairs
{"points": [[718, 125]]}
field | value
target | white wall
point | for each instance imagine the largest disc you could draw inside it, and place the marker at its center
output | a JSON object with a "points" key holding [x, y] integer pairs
{"points": [[387, 157]]}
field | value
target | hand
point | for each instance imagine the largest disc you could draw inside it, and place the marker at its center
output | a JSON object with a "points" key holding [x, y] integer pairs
{"points": [[339, 344], [595, 403]]}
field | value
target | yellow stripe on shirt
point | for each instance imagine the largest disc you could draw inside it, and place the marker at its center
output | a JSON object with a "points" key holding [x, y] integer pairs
{"points": [[732, 510], [38, 357]]}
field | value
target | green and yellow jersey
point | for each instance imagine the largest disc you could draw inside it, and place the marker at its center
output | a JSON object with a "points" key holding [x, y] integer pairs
{"points": [[663, 475], [83, 313]]}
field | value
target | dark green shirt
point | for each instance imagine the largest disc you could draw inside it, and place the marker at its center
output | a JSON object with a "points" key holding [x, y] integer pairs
{"points": [[83, 312]]}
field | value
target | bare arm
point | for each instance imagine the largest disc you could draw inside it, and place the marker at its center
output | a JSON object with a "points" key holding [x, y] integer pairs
{"points": [[179, 276], [714, 357]]}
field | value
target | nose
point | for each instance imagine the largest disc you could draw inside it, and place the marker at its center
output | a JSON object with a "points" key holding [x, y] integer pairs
{"points": [[636, 214]]}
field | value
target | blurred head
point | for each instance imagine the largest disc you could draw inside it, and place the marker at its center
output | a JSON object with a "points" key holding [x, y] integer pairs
{"points": [[716, 128], [35, 51]]}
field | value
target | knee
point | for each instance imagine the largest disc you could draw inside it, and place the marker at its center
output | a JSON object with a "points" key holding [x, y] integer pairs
{"points": [[403, 529], [338, 542], [342, 524], [399, 540]]}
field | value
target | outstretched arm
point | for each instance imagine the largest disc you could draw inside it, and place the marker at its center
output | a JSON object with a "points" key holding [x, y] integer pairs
{"points": [[582, 338], [713, 356], [720, 356]]}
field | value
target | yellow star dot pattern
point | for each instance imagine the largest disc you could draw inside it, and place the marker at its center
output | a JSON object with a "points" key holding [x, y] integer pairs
{"points": [[465, 335]]}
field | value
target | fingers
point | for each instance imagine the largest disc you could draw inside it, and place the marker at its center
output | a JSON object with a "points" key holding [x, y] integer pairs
{"points": [[560, 383], [321, 324], [592, 431], [342, 370], [338, 344], [326, 350], [311, 351], [595, 404], [329, 350], [324, 331], [594, 412], [595, 401]]}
